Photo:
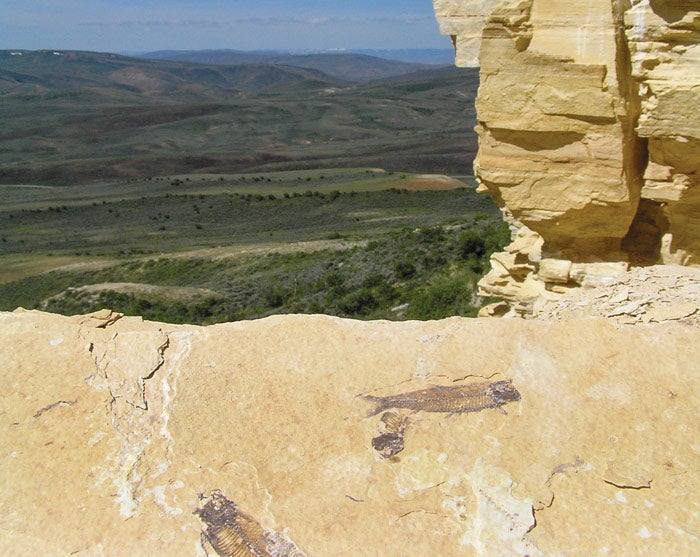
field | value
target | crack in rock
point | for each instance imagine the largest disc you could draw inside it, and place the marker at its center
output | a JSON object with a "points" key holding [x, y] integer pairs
{"points": [[50, 407], [120, 361], [125, 362]]}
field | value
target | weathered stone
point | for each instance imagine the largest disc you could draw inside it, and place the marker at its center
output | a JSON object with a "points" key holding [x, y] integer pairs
{"points": [[463, 22], [555, 270], [664, 41], [554, 127], [112, 434], [598, 274], [588, 128], [641, 295]]}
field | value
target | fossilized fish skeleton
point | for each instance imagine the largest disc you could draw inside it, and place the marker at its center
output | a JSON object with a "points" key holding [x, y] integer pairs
{"points": [[473, 397], [233, 533]]}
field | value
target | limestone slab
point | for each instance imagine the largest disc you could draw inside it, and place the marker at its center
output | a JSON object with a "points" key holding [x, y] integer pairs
{"points": [[112, 432]]}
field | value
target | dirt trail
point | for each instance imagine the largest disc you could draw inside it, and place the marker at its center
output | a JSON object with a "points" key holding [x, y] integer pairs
{"points": [[176, 292], [432, 182]]}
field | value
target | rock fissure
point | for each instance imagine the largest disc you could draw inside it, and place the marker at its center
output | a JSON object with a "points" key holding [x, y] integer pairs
{"points": [[623, 485], [50, 407], [142, 380], [422, 511]]}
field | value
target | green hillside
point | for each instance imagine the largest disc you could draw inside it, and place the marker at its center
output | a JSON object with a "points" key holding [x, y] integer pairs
{"points": [[80, 117], [27, 72], [190, 192], [351, 242]]}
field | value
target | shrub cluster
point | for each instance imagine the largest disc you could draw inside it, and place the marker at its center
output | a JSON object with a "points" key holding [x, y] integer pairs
{"points": [[422, 273]]}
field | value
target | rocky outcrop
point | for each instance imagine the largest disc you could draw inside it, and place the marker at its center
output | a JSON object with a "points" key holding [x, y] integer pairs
{"points": [[653, 294], [125, 437], [588, 135], [664, 39]]}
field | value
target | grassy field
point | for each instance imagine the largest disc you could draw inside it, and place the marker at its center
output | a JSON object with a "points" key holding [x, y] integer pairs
{"points": [[354, 242], [193, 212]]}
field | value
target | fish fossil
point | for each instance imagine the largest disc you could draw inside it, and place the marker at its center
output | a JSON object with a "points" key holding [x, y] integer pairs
{"points": [[390, 442], [394, 423], [463, 398], [233, 533]]}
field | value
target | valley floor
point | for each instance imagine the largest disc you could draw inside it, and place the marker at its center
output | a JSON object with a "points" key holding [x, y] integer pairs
{"points": [[365, 243]]}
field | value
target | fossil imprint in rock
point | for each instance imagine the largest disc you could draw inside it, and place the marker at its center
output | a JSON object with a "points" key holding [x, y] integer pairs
{"points": [[473, 397]]}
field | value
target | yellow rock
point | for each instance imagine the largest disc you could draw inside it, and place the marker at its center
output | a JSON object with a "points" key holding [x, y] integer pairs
{"points": [[588, 128], [111, 433]]}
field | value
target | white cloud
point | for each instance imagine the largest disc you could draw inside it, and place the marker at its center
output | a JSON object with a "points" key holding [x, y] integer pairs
{"points": [[153, 23]]}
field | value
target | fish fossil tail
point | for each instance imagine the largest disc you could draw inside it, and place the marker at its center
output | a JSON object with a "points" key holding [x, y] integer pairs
{"points": [[380, 404]]}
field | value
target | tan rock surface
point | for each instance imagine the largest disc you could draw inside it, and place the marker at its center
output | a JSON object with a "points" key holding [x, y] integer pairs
{"points": [[588, 131], [653, 294], [664, 40], [463, 22], [112, 428]]}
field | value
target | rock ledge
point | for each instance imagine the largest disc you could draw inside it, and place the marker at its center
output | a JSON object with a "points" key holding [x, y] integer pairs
{"points": [[115, 431]]}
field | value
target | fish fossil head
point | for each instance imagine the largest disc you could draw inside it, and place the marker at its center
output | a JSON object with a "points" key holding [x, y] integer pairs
{"points": [[218, 509], [388, 444], [503, 391]]}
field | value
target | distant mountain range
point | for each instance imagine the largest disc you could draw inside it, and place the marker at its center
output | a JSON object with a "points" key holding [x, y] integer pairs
{"points": [[428, 56], [199, 71], [349, 66], [432, 56], [35, 71], [71, 116]]}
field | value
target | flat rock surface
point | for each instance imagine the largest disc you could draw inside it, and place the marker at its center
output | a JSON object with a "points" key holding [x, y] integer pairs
{"points": [[114, 431], [643, 295]]}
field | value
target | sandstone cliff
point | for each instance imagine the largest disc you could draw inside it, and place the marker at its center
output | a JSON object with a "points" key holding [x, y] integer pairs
{"points": [[589, 137], [125, 437]]}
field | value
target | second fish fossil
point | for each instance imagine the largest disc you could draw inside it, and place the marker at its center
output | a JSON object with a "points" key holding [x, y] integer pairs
{"points": [[473, 397]]}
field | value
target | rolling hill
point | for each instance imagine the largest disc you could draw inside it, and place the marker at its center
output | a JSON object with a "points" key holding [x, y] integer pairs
{"points": [[78, 117], [37, 71], [346, 66], [432, 56]]}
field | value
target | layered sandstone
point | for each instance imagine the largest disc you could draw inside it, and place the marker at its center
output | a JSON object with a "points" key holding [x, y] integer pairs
{"points": [[588, 135], [120, 437], [664, 39]]}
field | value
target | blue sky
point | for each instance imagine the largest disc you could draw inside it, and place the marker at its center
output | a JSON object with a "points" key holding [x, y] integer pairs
{"points": [[126, 25]]}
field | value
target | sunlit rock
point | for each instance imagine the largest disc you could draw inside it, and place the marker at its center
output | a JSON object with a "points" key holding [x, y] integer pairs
{"points": [[588, 128]]}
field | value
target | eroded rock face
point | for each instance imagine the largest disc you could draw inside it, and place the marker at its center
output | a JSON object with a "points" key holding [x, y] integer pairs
{"points": [[124, 437], [664, 39], [588, 133]]}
